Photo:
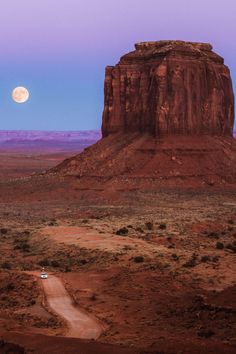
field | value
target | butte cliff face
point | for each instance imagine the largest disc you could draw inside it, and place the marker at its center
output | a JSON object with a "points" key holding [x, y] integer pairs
{"points": [[169, 87], [168, 121]]}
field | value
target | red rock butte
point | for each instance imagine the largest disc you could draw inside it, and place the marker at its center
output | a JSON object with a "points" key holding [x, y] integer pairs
{"points": [[169, 87], [167, 121]]}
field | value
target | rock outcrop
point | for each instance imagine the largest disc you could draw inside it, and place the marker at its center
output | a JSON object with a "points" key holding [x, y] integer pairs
{"points": [[167, 121], [169, 87]]}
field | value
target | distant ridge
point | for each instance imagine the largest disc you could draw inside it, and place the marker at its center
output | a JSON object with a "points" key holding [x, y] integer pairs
{"points": [[40, 135], [20, 141]]}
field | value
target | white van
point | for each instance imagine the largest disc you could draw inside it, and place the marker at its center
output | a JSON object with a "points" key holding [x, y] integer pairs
{"points": [[43, 275]]}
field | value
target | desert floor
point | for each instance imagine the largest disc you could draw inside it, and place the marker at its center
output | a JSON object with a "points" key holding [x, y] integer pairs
{"points": [[155, 269]]}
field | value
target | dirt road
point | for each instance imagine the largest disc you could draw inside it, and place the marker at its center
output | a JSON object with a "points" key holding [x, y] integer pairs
{"points": [[80, 325]]}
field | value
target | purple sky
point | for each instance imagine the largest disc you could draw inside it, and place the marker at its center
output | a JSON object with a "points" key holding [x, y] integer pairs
{"points": [[58, 49]]}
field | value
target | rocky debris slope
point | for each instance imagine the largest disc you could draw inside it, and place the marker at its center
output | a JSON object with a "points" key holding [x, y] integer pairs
{"points": [[168, 120], [135, 160]]}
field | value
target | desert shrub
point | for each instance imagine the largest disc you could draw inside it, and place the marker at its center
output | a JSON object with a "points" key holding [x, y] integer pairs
{"points": [[231, 246], [219, 245], [83, 261], [206, 333], [192, 262], [25, 247], [27, 266], [149, 225], [55, 264], [175, 257], [3, 231], [162, 226], [6, 265], [205, 259], [8, 286], [213, 234], [138, 259], [22, 245], [215, 259], [93, 297], [122, 232], [127, 248], [53, 222], [44, 262], [3, 298], [139, 229], [85, 221], [48, 323]]}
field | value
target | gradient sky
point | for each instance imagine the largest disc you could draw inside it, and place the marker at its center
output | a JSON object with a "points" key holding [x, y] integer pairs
{"points": [[58, 49]]}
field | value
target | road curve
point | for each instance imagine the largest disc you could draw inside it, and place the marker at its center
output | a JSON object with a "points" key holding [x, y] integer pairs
{"points": [[80, 325]]}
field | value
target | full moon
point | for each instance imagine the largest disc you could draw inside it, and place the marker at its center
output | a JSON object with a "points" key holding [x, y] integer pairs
{"points": [[20, 95]]}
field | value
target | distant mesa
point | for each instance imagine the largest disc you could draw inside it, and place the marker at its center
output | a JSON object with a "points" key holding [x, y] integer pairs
{"points": [[167, 121]]}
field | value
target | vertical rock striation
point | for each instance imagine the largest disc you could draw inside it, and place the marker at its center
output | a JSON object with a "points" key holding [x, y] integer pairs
{"points": [[169, 88]]}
